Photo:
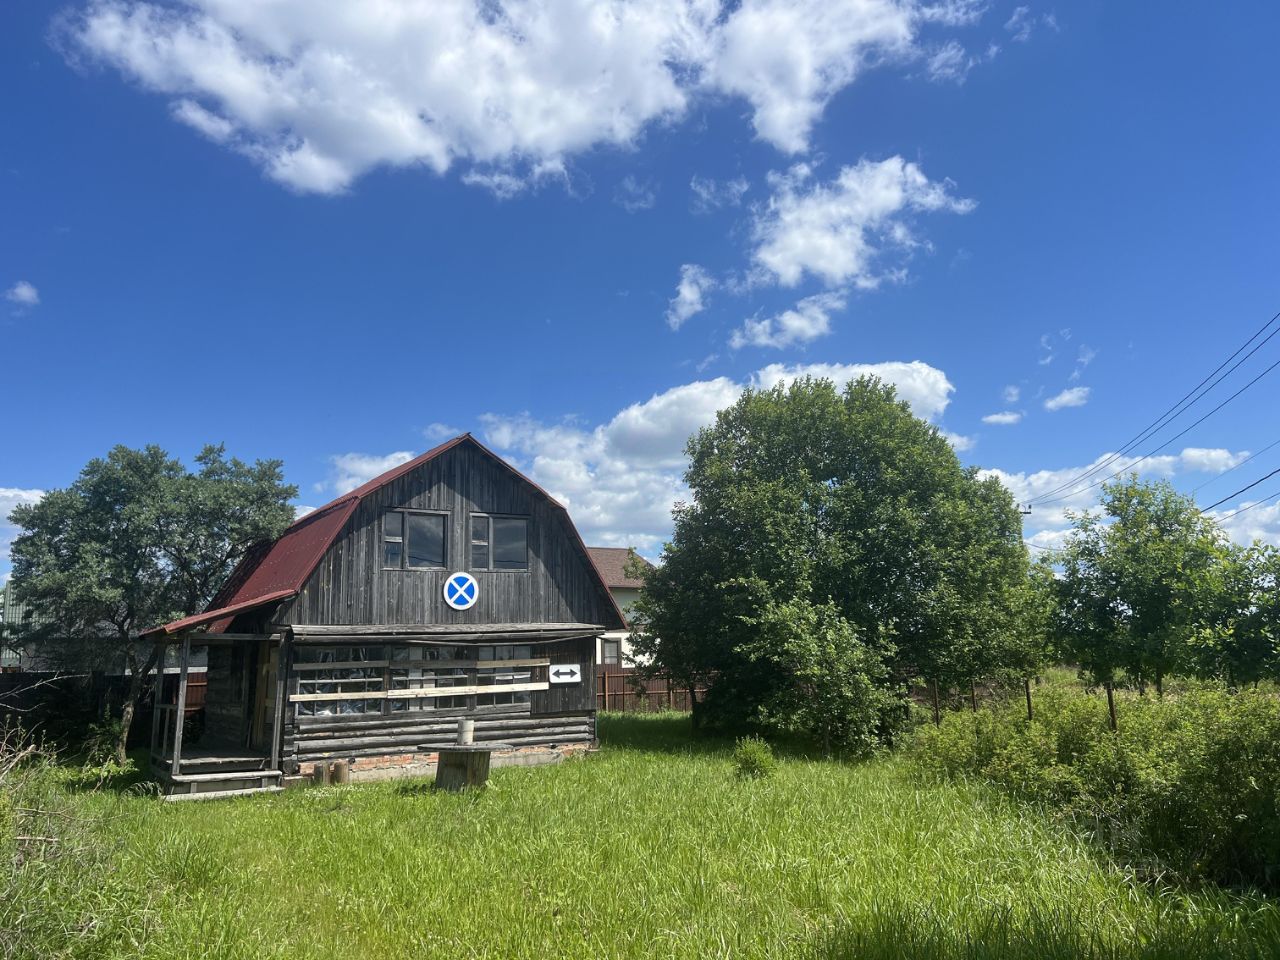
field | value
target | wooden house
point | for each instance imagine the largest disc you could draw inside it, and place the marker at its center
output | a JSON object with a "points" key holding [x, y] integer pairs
{"points": [[449, 588]]}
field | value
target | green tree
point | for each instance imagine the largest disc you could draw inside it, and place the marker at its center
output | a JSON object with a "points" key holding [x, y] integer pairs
{"points": [[135, 541], [1136, 582], [827, 504], [1239, 638]]}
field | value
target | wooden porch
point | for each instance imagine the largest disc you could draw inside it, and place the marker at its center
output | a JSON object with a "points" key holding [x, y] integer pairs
{"points": [[217, 768]]}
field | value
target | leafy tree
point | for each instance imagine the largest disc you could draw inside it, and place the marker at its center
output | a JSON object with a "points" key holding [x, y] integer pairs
{"points": [[135, 541], [847, 512], [1136, 582], [1239, 638], [833, 686]]}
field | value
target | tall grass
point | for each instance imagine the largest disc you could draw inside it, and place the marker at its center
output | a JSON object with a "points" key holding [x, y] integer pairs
{"points": [[652, 848]]}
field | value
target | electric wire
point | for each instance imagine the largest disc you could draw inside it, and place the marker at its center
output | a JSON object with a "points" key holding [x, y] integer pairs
{"points": [[1176, 436], [1232, 496], [1173, 412], [1257, 503]]}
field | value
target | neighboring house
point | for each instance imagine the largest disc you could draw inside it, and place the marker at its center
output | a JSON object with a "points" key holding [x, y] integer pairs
{"points": [[449, 588], [614, 647], [15, 619]]}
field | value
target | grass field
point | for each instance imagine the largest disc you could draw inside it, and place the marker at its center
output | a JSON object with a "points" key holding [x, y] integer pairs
{"points": [[652, 848]]}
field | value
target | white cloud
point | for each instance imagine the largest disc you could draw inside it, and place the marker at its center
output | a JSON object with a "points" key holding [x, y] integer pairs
{"points": [[806, 321], [787, 58], [1071, 397], [1260, 520], [1084, 357], [1211, 460], [710, 194], [11, 497], [24, 294], [959, 442], [216, 128], [319, 92], [691, 293], [439, 431], [839, 231], [621, 478], [301, 510], [349, 470], [954, 13], [926, 389], [949, 63], [633, 195], [1020, 24], [1003, 419], [1011, 393], [1047, 524]]}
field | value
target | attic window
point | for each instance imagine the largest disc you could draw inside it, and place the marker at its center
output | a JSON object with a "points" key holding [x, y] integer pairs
{"points": [[499, 543], [413, 540]]}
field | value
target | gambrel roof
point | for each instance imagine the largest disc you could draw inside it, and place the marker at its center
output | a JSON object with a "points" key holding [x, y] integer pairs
{"points": [[272, 572]]}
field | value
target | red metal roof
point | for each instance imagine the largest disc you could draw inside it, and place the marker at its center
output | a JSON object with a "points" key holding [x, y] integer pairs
{"points": [[272, 572], [221, 613]]}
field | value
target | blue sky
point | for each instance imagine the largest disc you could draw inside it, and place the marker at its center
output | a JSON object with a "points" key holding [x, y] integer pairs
{"points": [[328, 234]]}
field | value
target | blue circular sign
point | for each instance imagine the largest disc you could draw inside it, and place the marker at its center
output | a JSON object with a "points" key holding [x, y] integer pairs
{"points": [[461, 591]]}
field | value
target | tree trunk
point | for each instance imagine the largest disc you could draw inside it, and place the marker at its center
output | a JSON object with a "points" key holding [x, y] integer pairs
{"points": [[973, 695], [1026, 686], [1159, 683], [695, 720], [137, 683], [1111, 708], [937, 714]]}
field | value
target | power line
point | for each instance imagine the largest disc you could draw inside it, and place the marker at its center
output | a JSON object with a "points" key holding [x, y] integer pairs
{"points": [[1231, 469], [1256, 503], [1173, 412], [1179, 434], [1240, 491]]}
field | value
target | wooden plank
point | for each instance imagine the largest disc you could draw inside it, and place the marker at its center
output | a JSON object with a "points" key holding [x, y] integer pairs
{"points": [[421, 664], [417, 694], [277, 713], [410, 630], [180, 709]]}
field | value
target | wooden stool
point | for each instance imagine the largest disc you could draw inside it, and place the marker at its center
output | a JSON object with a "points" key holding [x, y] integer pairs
{"points": [[463, 765]]}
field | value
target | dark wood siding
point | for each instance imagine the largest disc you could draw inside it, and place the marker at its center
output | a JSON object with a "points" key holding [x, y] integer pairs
{"points": [[350, 585]]}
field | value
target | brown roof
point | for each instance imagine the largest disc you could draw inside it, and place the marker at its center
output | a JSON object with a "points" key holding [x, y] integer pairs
{"points": [[275, 571], [612, 564]]}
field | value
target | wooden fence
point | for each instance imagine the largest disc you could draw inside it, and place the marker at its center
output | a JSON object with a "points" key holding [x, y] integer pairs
{"points": [[624, 690]]}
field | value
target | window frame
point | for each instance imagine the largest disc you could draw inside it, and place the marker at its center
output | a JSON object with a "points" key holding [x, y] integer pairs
{"points": [[605, 646], [405, 513], [489, 551]]}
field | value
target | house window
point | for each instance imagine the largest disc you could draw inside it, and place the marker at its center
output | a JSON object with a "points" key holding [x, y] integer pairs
{"points": [[499, 543], [413, 540], [611, 651]]}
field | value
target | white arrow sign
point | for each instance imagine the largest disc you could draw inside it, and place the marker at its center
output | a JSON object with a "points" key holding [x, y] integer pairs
{"points": [[565, 673]]}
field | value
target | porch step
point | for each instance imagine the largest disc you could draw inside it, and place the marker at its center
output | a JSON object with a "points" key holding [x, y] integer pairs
{"points": [[223, 783], [222, 794], [224, 775]]}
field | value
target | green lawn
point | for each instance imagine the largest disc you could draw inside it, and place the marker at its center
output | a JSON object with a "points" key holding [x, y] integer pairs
{"points": [[651, 848]]}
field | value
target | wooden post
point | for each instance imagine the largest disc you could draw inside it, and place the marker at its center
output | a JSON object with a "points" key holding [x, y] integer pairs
{"points": [[937, 713], [277, 713], [1111, 707], [157, 691], [180, 709], [1026, 686], [670, 701], [973, 695]]}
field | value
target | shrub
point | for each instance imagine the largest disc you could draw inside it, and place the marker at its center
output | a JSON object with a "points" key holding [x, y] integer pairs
{"points": [[1189, 784], [753, 758]]}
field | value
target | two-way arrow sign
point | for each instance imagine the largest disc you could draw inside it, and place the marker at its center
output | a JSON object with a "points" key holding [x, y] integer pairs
{"points": [[565, 673]]}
